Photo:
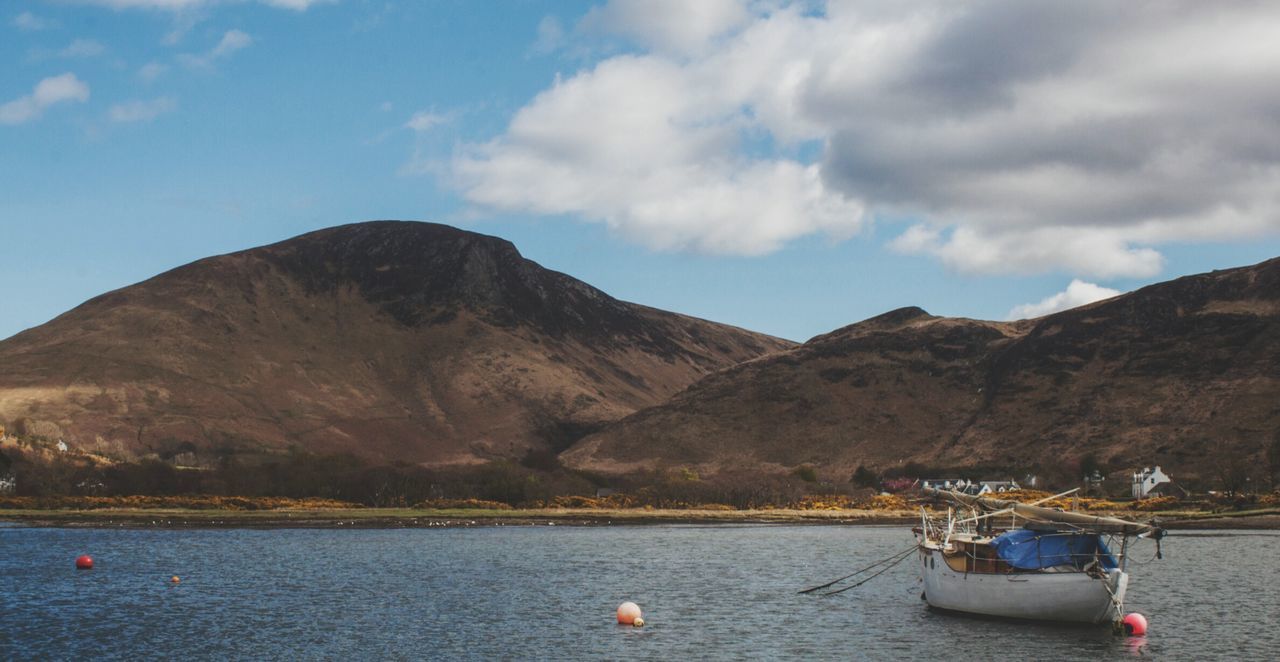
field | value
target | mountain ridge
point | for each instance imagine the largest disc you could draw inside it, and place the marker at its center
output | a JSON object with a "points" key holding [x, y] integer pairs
{"points": [[399, 340], [1169, 373]]}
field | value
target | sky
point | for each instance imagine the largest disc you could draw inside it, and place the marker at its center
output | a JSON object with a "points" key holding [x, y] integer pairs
{"points": [[787, 167]]}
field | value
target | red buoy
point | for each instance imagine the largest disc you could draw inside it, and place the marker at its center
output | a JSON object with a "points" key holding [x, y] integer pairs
{"points": [[84, 562], [628, 612], [1135, 624]]}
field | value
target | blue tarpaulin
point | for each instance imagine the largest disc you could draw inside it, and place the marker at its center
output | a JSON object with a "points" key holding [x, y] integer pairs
{"points": [[1031, 550]]}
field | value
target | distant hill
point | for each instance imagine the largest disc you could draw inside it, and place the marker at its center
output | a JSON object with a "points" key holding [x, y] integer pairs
{"points": [[399, 341], [1182, 373]]}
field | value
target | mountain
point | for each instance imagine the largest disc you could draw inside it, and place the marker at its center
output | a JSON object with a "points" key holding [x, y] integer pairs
{"points": [[1182, 373], [398, 341]]}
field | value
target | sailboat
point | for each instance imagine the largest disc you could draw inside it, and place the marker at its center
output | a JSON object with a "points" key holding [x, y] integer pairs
{"points": [[1047, 565]]}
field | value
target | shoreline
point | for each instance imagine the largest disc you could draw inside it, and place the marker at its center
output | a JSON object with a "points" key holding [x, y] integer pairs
{"points": [[397, 518]]}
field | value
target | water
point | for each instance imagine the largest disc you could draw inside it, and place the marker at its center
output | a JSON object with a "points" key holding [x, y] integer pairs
{"points": [[550, 592]]}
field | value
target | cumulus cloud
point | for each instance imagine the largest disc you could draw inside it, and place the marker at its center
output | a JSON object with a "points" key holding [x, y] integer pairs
{"points": [[674, 26], [186, 14], [1078, 293], [151, 71], [550, 36], [141, 110], [424, 120], [28, 22], [180, 5], [653, 147], [232, 41], [83, 48], [1013, 135], [48, 92]]}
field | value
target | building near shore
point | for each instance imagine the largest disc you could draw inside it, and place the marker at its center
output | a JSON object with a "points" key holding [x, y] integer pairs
{"points": [[972, 487], [1147, 480]]}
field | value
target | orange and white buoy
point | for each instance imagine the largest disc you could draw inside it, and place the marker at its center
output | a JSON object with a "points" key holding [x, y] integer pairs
{"points": [[628, 613]]}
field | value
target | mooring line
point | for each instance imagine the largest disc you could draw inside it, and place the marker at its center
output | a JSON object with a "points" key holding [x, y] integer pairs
{"points": [[886, 569], [895, 557]]}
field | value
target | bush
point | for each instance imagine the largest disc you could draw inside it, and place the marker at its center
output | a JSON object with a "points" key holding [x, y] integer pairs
{"points": [[865, 477], [479, 504], [1155, 503]]}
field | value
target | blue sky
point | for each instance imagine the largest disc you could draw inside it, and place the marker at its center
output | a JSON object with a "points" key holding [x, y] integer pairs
{"points": [[789, 168]]}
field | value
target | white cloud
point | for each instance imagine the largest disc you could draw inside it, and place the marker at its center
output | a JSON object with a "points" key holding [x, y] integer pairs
{"points": [[1016, 135], [48, 92], [180, 5], [28, 22], [83, 48], [424, 120], [188, 13], [674, 26], [1078, 293], [652, 147], [151, 71], [550, 36], [232, 41], [141, 110]]}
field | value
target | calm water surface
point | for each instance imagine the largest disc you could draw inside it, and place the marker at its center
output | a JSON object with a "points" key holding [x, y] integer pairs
{"points": [[722, 592]]}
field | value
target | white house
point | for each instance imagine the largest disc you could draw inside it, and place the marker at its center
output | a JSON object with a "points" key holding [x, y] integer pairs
{"points": [[1146, 480], [996, 486], [61, 446], [957, 484], [974, 487]]}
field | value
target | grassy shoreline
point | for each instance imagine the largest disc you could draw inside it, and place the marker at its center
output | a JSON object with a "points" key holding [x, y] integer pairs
{"points": [[434, 517], [1268, 518]]}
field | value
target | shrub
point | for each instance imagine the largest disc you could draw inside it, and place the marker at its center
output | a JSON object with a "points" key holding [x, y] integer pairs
{"points": [[479, 504], [1154, 503]]}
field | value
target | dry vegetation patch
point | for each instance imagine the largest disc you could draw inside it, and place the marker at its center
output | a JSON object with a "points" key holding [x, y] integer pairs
{"points": [[189, 502]]}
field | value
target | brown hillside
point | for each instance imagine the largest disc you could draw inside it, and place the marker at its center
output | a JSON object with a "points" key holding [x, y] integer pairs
{"points": [[1161, 375], [395, 340]]}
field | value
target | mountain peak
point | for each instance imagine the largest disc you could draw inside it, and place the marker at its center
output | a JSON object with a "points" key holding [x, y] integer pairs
{"points": [[403, 340]]}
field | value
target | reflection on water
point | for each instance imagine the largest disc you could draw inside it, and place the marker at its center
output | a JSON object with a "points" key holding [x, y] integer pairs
{"points": [[544, 592]]}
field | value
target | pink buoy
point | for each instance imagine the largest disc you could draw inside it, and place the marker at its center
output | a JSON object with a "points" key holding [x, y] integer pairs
{"points": [[1135, 624], [84, 562], [628, 612]]}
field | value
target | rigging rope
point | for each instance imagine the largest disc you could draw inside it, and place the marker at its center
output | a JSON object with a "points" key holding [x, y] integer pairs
{"points": [[895, 557]]}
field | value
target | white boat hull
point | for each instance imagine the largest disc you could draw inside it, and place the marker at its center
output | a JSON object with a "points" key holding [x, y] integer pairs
{"points": [[1044, 596]]}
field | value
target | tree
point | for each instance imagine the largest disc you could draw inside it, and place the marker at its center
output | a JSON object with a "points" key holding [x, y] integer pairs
{"points": [[806, 473], [1273, 462], [1231, 467], [1089, 465], [865, 477]]}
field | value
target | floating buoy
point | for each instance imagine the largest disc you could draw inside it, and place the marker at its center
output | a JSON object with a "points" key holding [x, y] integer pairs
{"points": [[1135, 624], [639, 623], [628, 612], [84, 562], [174, 579]]}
